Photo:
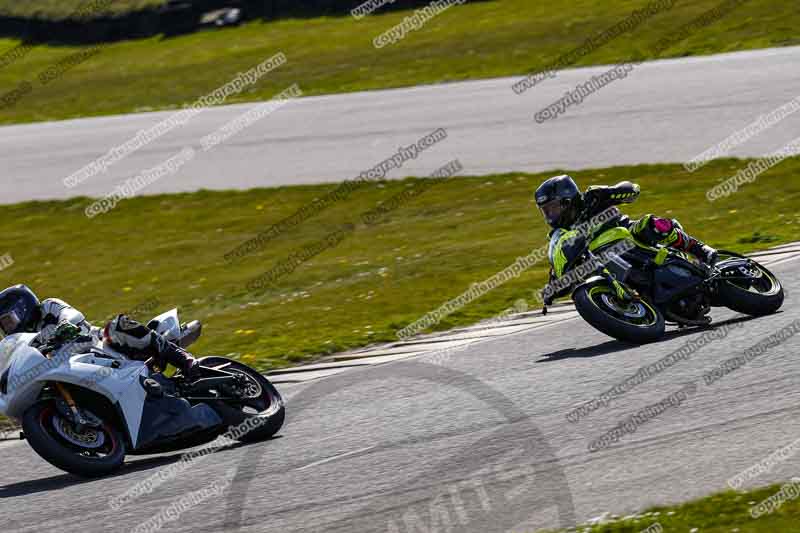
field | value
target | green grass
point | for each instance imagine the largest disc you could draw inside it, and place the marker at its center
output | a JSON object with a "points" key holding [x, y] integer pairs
{"points": [[378, 280], [335, 54], [61, 9], [5, 424], [721, 513]]}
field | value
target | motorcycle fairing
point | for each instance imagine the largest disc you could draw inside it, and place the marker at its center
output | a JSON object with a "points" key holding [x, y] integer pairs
{"points": [[167, 420], [115, 379], [671, 279]]}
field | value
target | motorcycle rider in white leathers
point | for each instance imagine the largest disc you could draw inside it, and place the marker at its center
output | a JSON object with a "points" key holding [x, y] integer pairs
{"points": [[21, 311]]}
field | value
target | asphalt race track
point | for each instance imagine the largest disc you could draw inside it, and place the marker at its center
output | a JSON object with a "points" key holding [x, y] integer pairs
{"points": [[478, 441], [664, 111]]}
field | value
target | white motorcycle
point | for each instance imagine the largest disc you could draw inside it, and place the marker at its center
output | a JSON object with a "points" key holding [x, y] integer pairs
{"points": [[84, 406]]}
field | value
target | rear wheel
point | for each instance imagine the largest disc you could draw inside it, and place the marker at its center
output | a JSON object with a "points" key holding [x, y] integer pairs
{"points": [[636, 322], [260, 413], [758, 292], [89, 452]]}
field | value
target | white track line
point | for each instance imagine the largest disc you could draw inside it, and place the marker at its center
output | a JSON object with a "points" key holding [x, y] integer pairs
{"points": [[784, 260], [10, 443], [334, 458]]}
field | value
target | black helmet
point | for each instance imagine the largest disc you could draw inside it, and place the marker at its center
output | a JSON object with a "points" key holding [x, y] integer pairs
{"points": [[560, 201], [19, 310]]}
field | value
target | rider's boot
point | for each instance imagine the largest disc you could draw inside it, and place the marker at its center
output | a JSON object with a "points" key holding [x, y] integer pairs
{"points": [[179, 358], [705, 253], [697, 248]]}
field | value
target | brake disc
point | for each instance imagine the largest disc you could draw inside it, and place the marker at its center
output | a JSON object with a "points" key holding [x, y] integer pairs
{"points": [[252, 389], [90, 437], [633, 310], [752, 272]]}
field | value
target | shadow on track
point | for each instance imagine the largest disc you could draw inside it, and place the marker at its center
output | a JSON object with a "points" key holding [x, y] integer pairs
{"points": [[24, 488], [614, 346], [35, 486]]}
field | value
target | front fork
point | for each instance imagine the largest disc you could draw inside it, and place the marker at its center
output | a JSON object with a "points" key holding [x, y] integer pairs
{"points": [[624, 292], [77, 418], [63, 391]]}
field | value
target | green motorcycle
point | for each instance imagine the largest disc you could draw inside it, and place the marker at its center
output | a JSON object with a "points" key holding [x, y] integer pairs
{"points": [[630, 291]]}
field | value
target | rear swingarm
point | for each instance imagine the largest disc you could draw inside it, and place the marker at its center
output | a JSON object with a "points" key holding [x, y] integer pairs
{"points": [[214, 387]]}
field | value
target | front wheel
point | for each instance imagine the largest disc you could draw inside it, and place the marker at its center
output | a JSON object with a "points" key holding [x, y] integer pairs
{"points": [[636, 322], [90, 452], [260, 412]]}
